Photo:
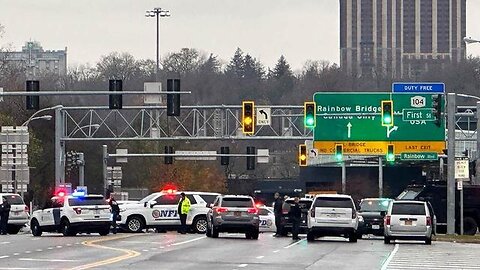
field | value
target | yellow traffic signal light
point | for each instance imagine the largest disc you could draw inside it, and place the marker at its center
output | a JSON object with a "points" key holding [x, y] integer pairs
{"points": [[248, 117], [309, 114], [302, 155], [387, 113]]}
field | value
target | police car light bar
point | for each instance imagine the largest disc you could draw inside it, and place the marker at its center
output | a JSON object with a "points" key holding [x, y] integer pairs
{"points": [[78, 194]]}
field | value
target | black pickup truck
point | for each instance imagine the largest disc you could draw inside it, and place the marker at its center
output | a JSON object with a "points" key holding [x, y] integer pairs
{"points": [[436, 194]]}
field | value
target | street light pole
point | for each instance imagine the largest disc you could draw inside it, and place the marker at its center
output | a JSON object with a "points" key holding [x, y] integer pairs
{"points": [[157, 12]]}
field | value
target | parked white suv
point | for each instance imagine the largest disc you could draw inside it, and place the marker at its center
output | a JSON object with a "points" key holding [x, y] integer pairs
{"points": [[19, 214], [409, 220], [333, 215], [159, 210]]}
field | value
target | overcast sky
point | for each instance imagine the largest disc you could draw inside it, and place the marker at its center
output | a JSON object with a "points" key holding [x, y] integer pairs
{"points": [[300, 30]]}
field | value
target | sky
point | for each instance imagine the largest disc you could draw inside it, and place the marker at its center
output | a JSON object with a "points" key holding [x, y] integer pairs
{"points": [[300, 30]]}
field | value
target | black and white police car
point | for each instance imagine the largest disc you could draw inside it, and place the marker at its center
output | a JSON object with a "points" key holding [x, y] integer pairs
{"points": [[159, 210], [72, 214]]}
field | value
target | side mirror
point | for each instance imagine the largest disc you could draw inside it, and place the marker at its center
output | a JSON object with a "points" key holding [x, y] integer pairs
{"points": [[145, 204], [152, 203], [383, 213]]}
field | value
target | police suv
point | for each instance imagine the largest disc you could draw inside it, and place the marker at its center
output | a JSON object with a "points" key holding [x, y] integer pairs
{"points": [[159, 210], [72, 214]]}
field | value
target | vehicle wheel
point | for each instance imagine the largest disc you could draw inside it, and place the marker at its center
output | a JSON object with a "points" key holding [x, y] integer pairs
{"points": [[13, 229], [200, 224], [214, 232], [254, 234], [310, 237], [470, 226], [66, 228], [352, 238], [428, 241], [386, 240], [35, 228], [208, 233], [104, 231], [135, 224], [248, 235]]}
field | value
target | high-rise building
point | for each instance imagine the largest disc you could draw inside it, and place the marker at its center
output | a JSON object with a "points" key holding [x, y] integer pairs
{"points": [[35, 60], [400, 38]]}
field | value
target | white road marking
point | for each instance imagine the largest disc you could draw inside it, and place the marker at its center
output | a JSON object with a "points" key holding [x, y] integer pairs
{"points": [[3, 257], [145, 250], [59, 246], [275, 251], [188, 241], [260, 257], [296, 243], [46, 260], [16, 254], [28, 251], [390, 257], [68, 245], [50, 248], [3, 243], [242, 265], [39, 250]]}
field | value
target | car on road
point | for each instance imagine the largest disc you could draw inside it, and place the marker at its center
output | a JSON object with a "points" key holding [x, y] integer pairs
{"points": [[19, 212], [233, 214], [159, 210], [267, 219], [333, 215], [305, 204], [71, 214], [408, 220], [371, 213]]}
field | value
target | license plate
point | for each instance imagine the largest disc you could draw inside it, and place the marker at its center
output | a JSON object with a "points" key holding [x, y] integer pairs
{"points": [[375, 227], [408, 222], [237, 214], [333, 215]]}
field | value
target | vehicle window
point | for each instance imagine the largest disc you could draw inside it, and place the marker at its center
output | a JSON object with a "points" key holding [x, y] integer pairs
{"points": [[191, 198], [87, 201], [237, 202], [169, 199], [374, 205], [303, 204], [148, 198], [334, 202], [217, 201], [56, 203], [209, 198], [14, 199], [263, 212], [408, 209], [408, 194]]}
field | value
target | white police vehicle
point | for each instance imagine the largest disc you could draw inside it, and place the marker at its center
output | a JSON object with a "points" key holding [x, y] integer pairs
{"points": [[73, 214], [19, 213], [267, 219], [159, 210]]}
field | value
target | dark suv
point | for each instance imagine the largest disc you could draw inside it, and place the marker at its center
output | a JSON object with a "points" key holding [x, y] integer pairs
{"points": [[233, 214], [371, 214], [304, 204]]}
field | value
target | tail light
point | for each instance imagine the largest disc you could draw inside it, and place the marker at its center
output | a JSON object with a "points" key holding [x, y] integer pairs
{"points": [[77, 210], [429, 221], [312, 212], [252, 210], [221, 209], [387, 220]]}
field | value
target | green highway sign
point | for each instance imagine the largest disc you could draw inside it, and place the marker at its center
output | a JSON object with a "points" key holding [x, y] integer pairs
{"points": [[418, 114], [347, 116], [418, 156]]}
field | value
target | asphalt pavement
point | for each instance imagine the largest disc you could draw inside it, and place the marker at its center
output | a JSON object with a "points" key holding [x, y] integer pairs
{"points": [[229, 251]]}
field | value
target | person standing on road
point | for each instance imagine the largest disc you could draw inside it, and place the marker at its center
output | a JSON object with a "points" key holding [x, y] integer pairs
{"points": [[115, 212], [4, 213], [277, 210], [183, 209], [296, 218]]}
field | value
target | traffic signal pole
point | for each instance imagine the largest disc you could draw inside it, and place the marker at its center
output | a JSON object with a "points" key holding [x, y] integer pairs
{"points": [[451, 110], [380, 177], [476, 179]]}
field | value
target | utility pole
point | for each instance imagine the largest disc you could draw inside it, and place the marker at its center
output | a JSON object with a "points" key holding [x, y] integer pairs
{"points": [[451, 110]]}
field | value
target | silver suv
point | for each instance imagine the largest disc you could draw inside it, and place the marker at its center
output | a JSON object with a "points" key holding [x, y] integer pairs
{"points": [[408, 220], [233, 214], [333, 215], [19, 212]]}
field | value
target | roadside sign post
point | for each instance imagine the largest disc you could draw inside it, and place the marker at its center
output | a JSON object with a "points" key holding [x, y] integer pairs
{"points": [[461, 173]]}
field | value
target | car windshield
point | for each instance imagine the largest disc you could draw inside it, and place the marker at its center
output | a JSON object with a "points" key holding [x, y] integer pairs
{"points": [[148, 198], [408, 209], [374, 205], [409, 194], [237, 202], [14, 199], [303, 204], [333, 202], [87, 201]]}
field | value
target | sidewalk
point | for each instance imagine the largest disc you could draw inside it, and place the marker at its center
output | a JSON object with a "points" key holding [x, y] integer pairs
{"points": [[474, 239]]}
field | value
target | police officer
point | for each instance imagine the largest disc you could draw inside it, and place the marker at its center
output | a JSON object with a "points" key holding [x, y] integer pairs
{"points": [[183, 208], [115, 212], [277, 210], [4, 213], [296, 218]]}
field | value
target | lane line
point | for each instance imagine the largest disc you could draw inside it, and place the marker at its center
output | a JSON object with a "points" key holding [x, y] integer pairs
{"points": [[59, 246], [242, 265], [3, 243], [260, 257], [3, 257], [16, 254], [296, 243], [39, 250], [188, 241], [275, 251], [390, 257], [128, 254], [46, 260], [28, 252]]}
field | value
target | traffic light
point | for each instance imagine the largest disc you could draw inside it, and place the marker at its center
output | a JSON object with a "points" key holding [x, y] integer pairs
{"points": [[302, 155], [437, 109], [168, 159], [224, 160], [387, 113], [250, 160], [339, 152], [390, 152], [248, 117], [115, 101], [173, 100], [33, 102], [309, 114]]}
